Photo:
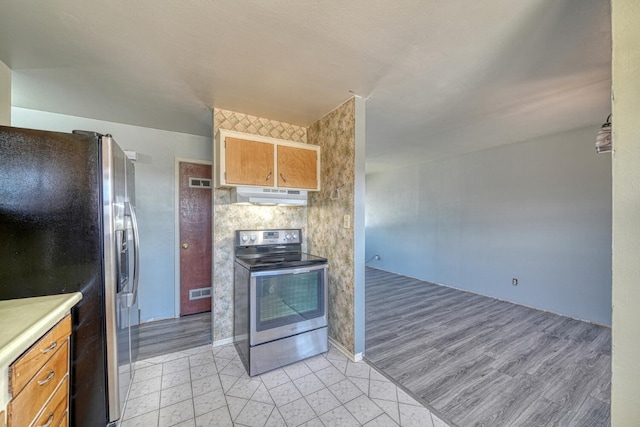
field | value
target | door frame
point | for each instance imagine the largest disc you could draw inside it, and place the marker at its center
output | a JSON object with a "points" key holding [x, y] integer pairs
{"points": [[176, 224]]}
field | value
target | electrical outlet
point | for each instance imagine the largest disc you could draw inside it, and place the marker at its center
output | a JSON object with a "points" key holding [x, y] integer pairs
{"points": [[514, 281], [346, 221]]}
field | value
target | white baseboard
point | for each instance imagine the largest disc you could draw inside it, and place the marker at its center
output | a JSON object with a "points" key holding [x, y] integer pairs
{"points": [[225, 341], [353, 357]]}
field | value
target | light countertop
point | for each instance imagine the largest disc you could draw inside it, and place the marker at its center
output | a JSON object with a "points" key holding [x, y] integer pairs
{"points": [[23, 321]]}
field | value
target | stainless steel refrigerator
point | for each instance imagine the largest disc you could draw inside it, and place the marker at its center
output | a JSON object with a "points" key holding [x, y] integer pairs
{"points": [[68, 223]]}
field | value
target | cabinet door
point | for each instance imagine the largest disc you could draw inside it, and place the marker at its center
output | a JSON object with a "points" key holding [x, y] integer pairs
{"points": [[249, 162], [297, 167]]}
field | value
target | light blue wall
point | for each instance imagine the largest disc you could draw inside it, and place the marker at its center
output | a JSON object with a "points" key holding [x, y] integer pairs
{"points": [[539, 211], [155, 195]]}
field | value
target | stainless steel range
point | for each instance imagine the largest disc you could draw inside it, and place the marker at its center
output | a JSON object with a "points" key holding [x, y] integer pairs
{"points": [[280, 299]]}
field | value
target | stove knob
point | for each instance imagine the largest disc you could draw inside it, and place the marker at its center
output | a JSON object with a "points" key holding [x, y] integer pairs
{"points": [[245, 238], [287, 236], [295, 236], [253, 237]]}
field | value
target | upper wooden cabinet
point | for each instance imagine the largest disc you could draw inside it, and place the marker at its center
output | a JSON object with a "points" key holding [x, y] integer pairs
{"points": [[297, 167], [252, 160], [248, 162]]}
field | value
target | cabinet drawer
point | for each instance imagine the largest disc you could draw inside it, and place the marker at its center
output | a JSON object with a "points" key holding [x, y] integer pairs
{"points": [[55, 411], [24, 407], [24, 368]]}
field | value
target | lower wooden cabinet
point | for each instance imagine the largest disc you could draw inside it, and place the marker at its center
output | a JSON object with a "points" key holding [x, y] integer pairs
{"points": [[55, 411], [39, 381]]}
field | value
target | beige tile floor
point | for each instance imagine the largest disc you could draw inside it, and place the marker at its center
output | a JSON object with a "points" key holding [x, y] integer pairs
{"points": [[208, 386]]}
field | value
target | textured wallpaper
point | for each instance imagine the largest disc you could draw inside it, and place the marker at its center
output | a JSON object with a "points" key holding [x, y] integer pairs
{"points": [[327, 237], [227, 218], [240, 122]]}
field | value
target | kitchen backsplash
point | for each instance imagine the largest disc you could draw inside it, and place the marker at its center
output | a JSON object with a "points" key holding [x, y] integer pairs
{"points": [[240, 122], [227, 217]]}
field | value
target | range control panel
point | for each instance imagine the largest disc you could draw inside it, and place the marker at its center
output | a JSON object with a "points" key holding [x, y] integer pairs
{"points": [[268, 237]]}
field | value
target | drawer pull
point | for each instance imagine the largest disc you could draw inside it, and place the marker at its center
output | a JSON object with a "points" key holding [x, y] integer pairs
{"points": [[51, 347], [49, 378], [49, 421]]}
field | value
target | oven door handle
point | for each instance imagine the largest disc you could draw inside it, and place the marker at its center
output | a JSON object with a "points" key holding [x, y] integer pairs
{"points": [[280, 271]]}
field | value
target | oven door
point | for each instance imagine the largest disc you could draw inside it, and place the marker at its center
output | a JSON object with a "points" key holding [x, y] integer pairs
{"points": [[287, 302]]}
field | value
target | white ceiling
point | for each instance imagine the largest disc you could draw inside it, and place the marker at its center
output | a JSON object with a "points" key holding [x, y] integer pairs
{"points": [[440, 77]]}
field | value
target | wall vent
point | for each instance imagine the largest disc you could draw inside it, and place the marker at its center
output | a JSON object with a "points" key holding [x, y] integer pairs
{"points": [[199, 293], [199, 183]]}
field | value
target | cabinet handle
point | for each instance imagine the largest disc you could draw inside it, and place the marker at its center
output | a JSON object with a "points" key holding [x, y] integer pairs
{"points": [[49, 420], [284, 178], [268, 177], [51, 347], [49, 378]]}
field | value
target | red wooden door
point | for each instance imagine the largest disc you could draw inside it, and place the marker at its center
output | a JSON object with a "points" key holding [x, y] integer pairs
{"points": [[195, 238]]}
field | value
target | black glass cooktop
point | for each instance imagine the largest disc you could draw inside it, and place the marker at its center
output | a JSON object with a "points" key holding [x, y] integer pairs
{"points": [[279, 260]]}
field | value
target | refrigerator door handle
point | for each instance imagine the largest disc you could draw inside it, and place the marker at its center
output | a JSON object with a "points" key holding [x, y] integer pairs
{"points": [[119, 250], [136, 256]]}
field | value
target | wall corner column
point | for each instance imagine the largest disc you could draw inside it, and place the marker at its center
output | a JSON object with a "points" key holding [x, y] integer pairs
{"points": [[5, 95], [625, 381], [358, 228], [336, 220]]}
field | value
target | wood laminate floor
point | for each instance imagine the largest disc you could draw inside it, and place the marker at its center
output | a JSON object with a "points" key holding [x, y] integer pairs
{"points": [[478, 361], [172, 335]]}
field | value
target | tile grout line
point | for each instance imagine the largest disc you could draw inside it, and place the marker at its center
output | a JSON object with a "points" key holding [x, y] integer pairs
{"points": [[193, 402], [224, 394], [335, 364]]}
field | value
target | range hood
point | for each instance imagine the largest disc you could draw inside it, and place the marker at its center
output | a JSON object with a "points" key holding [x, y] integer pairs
{"points": [[268, 196]]}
